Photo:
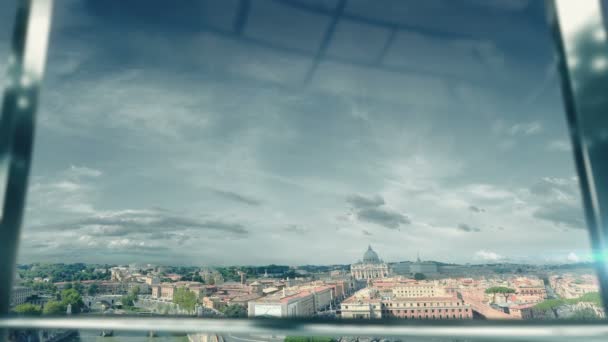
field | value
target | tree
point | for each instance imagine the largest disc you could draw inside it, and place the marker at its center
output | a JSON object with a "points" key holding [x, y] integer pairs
{"points": [[71, 296], [28, 309], [234, 311], [185, 298], [135, 292], [130, 299], [419, 276], [68, 286], [93, 289], [79, 288], [505, 291], [549, 305], [127, 300], [585, 314], [54, 308]]}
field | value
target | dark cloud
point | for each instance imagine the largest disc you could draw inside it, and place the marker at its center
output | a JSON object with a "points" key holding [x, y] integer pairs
{"points": [[555, 187], [292, 228], [561, 214], [361, 202], [476, 209], [365, 232], [368, 209], [38, 245], [142, 222], [467, 228], [236, 197], [559, 202], [179, 238], [383, 217]]}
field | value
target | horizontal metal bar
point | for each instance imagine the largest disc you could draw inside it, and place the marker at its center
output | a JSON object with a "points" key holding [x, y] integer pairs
{"points": [[544, 331]]}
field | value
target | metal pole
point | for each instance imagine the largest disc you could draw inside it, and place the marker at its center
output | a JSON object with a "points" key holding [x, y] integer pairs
{"points": [[26, 66], [582, 47]]}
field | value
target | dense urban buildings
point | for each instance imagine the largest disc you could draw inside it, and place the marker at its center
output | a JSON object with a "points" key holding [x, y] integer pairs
{"points": [[407, 299], [373, 289]]}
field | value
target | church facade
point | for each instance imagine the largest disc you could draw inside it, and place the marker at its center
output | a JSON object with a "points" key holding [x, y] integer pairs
{"points": [[371, 267]]}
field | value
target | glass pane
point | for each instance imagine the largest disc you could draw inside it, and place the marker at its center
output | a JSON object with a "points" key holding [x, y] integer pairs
{"points": [[386, 159], [7, 18]]}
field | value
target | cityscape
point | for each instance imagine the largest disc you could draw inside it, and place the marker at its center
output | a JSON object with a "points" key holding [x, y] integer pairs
{"points": [[367, 289]]}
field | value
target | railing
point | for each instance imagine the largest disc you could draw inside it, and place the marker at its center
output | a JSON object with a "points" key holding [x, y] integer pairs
{"points": [[579, 33]]}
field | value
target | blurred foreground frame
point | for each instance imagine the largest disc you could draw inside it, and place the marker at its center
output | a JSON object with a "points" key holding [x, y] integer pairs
{"points": [[581, 42]]}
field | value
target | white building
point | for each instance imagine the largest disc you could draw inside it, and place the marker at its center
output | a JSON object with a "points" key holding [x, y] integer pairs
{"points": [[371, 267]]}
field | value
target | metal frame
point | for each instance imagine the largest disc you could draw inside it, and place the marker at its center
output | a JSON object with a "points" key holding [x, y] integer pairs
{"points": [[494, 330], [26, 67], [588, 123], [580, 37]]}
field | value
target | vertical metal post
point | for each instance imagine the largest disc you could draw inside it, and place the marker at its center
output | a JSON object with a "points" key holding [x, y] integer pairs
{"points": [[582, 47], [26, 67]]}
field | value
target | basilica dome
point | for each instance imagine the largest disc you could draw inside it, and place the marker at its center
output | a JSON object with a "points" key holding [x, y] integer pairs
{"points": [[370, 257]]}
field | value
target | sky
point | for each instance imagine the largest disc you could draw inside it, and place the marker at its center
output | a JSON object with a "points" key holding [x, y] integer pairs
{"points": [[206, 133]]}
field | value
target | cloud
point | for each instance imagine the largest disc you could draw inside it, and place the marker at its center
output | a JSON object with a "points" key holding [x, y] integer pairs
{"points": [[292, 228], [488, 256], [83, 171], [572, 257], [370, 209], [476, 209], [561, 214], [530, 128], [362, 202], [488, 192], [467, 228], [366, 232], [559, 145], [387, 218], [127, 222], [558, 202], [236, 197]]}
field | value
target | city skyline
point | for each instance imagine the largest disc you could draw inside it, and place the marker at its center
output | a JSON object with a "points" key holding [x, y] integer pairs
{"points": [[179, 143]]}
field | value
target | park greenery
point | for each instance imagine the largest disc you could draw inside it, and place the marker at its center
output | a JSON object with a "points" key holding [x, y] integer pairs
{"points": [[504, 291], [129, 299], [234, 311], [93, 289], [27, 309], [54, 308], [185, 298], [63, 272], [585, 314], [71, 296], [551, 305]]}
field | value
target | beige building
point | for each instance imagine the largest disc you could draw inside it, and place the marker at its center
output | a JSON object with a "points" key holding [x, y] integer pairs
{"points": [[418, 289], [213, 302], [152, 280], [371, 267], [165, 291], [448, 307], [285, 303]]}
